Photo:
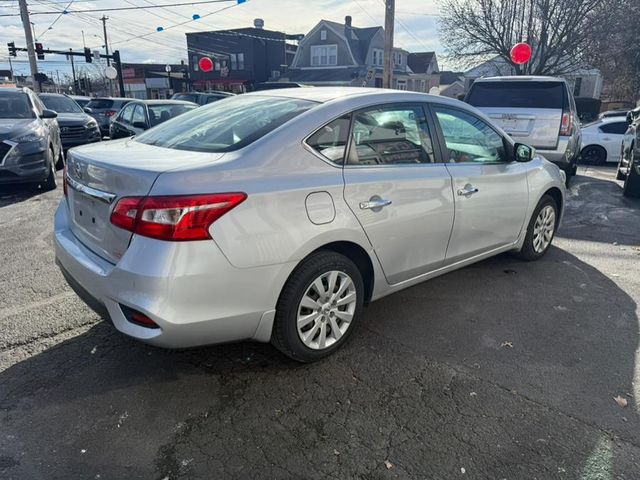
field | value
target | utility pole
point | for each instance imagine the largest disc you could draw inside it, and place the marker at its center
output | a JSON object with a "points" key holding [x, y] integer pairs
{"points": [[73, 72], [106, 48], [389, 20], [24, 14]]}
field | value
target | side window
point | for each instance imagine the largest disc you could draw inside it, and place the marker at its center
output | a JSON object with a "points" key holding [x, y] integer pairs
{"points": [[617, 128], [390, 136], [125, 114], [330, 141], [468, 138], [138, 115]]}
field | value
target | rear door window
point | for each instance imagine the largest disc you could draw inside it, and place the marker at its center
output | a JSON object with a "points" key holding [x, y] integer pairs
{"points": [[616, 128], [518, 94], [126, 113], [390, 136]]}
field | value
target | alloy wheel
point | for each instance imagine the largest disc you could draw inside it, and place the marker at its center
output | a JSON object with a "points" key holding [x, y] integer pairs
{"points": [[543, 229], [326, 309]]}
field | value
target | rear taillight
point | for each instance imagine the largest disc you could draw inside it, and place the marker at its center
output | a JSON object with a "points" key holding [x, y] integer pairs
{"points": [[566, 126], [65, 186], [110, 113], [174, 218]]}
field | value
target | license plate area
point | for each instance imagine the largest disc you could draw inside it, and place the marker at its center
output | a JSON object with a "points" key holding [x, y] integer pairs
{"points": [[90, 214]]}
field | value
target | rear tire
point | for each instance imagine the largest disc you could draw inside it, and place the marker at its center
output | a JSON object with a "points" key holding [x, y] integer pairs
{"points": [[51, 182], [541, 230], [594, 155], [307, 319], [631, 186]]}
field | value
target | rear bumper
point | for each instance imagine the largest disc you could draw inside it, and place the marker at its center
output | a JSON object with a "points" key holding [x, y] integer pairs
{"points": [[188, 288], [564, 155]]}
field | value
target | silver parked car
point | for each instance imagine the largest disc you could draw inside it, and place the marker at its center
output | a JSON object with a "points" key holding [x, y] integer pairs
{"points": [[538, 111], [275, 216]]}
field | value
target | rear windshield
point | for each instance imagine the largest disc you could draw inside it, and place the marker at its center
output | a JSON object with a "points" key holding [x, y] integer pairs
{"points": [[60, 104], [189, 97], [162, 112], [100, 103], [521, 94], [226, 125], [15, 105]]}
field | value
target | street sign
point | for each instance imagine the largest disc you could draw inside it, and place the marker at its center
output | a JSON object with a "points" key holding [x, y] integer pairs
{"points": [[370, 73], [96, 54]]}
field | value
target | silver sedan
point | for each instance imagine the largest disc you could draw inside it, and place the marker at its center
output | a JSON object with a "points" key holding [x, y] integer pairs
{"points": [[276, 216]]}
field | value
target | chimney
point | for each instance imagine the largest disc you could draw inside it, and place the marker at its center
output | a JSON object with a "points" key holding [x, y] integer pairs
{"points": [[347, 21], [258, 23]]}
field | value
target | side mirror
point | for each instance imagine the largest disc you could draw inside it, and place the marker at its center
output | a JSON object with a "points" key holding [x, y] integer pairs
{"points": [[88, 110], [522, 152], [139, 125], [48, 114]]}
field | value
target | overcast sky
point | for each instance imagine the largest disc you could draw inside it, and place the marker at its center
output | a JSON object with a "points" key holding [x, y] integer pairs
{"points": [[416, 25]]}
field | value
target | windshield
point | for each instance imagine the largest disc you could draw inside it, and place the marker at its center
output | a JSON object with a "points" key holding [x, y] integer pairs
{"points": [[189, 97], [60, 104], [15, 105], [100, 103], [161, 113], [226, 125], [520, 94]]}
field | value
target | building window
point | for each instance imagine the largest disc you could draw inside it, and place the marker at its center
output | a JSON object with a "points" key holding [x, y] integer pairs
{"points": [[402, 85], [324, 55], [323, 34], [577, 86], [234, 61], [397, 58], [378, 57], [241, 61]]}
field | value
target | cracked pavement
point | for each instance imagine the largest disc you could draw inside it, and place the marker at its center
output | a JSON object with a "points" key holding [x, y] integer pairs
{"points": [[502, 370]]}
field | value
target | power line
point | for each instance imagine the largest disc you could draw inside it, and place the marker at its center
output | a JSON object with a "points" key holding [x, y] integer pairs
{"points": [[116, 9], [54, 22]]}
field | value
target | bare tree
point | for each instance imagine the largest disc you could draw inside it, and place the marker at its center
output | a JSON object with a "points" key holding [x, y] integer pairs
{"points": [[617, 52], [559, 32]]}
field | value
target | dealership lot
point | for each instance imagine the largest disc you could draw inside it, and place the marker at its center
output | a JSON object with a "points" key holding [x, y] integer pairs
{"points": [[503, 369]]}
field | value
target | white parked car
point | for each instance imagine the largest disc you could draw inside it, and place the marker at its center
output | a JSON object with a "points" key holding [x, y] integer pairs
{"points": [[277, 215], [602, 140]]}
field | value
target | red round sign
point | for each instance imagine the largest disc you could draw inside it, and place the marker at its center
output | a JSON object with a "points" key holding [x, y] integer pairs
{"points": [[521, 53], [205, 64]]}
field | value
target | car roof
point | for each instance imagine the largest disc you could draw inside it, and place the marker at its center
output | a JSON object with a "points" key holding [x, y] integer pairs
{"points": [[14, 90], [163, 102], [51, 94], [119, 99], [319, 94], [520, 78]]}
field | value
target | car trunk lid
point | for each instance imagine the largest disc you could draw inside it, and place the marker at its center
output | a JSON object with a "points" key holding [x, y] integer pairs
{"points": [[101, 174]]}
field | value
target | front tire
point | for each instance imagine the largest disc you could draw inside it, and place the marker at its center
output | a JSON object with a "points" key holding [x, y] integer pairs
{"points": [[319, 307], [541, 229], [50, 183]]}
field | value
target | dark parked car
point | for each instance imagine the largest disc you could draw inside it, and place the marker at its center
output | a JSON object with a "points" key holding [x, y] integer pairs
{"points": [[629, 166], [140, 115], [104, 109], [30, 143], [202, 98], [81, 100], [76, 126]]}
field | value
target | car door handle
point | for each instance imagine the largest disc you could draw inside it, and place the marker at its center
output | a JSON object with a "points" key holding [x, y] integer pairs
{"points": [[468, 190], [374, 203]]}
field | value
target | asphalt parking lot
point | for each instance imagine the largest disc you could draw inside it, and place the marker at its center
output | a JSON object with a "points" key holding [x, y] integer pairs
{"points": [[502, 370]]}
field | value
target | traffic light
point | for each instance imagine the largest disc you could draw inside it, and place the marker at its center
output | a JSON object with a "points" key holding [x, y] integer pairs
{"points": [[12, 49], [88, 57], [39, 51]]}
